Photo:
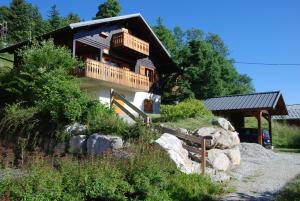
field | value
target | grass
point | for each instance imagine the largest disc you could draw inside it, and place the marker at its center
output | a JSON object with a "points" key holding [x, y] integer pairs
{"points": [[289, 150], [284, 135], [291, 192], [148, 174], [190, 124]]}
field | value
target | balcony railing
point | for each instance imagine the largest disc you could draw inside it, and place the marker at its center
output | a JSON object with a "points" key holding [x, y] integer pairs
{"points": [[105, 72], [124, 39]]}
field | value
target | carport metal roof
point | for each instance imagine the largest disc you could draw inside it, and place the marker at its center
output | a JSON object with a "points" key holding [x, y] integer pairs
{"points": [[270, 101]]}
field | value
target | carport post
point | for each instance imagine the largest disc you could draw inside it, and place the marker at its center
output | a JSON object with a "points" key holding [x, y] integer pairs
{"points": [[270, 128], [259, 128]]}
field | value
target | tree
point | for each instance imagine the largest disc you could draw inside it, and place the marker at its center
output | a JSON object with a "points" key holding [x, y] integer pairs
{"points": [[166, 37], [205, 69], [110, 8], [24, 21], [70, 18], [217, 44], [18, 21], [54, 18]]}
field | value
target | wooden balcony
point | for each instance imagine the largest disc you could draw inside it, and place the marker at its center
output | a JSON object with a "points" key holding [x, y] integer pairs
{"points": [[124, 40], [121, 77]]}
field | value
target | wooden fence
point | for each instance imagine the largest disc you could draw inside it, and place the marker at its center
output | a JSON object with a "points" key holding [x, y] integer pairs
{"points": [[202, 141]]}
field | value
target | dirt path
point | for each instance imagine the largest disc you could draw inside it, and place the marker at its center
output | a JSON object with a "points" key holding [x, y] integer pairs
{"points": [[262, 174]]}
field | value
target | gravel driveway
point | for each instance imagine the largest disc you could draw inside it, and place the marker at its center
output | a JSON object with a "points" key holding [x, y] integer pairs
{"points": [[262, 173]]}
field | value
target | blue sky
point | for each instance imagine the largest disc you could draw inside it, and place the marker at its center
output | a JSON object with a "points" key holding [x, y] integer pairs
{"points": [[255, 31]]}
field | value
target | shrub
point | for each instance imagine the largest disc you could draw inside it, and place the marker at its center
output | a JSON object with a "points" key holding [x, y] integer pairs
{"points": [[17, 121], [189, 108], [100, 118], [62, 99], [285, 135], [148, 174]]}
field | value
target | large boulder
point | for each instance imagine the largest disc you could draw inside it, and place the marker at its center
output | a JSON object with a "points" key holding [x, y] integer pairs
{"points": [[98, 144], [223, 123], [76, 129], [77, 144], [218, 160], [177, 153], [234, 156], [221, 138]]}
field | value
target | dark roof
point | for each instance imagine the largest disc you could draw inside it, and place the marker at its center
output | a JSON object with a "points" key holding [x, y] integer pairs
{"points": [[294, 113], [271, 101]]}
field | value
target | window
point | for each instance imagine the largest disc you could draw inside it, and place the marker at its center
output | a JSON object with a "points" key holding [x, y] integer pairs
{"points": [[147, 72]]}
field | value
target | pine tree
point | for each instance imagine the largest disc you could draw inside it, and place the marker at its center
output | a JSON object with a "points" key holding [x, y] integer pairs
{"points": [[19, 22], [110, 8], [70, 18], [54, 18]]}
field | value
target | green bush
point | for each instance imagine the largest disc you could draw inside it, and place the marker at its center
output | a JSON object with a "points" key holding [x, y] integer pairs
{"points": [[100, 118], [17, 121], [148, 174], [285, 135], [189, 108]]}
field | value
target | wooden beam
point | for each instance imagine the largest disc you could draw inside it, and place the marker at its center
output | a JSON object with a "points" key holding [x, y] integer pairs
{"points": [[259, 128], [270, 129]]}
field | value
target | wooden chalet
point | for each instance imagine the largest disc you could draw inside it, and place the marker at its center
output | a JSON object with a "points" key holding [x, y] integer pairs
{"points": [[120, 53]]}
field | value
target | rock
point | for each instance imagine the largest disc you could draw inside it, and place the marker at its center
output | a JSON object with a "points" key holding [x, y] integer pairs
{"points": [[234, 156], [98, 144], [177, 153], [77, 144], [76, 129], [59, 149], [223, 123], [221, 138], [217, 176], [226, 139], [218, 160], [182, 130]]}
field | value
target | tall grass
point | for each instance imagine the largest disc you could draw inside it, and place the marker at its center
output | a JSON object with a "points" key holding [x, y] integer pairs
{"points": [[284, 135], [147, 174]]}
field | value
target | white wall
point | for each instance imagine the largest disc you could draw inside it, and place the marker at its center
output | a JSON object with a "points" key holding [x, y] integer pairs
{"points": [[102, 93]]}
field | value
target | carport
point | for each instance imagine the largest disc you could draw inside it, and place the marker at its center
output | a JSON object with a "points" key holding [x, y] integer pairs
{"points": [[260, 105]]}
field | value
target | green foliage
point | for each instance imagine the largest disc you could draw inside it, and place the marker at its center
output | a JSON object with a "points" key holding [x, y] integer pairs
{"points": [[110, 8], [42, 82], [189, 108], [17, 121], [62, 98], [291, 192], [148, 174], [190, 123], [70, 18], [205, 69], [100, 118], [25, 21], [54, 18], [284, 135], [193, 188]]}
